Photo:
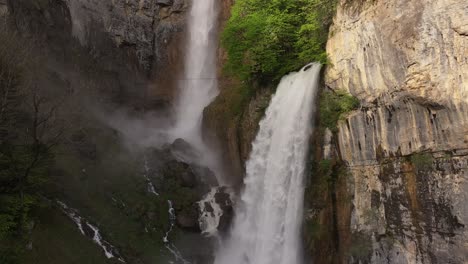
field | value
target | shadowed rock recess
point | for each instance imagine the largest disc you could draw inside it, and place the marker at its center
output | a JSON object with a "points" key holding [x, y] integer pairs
{"points": [[403, 199]]}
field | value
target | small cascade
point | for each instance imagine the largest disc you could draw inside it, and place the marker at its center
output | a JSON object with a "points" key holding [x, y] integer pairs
{"points": [[150, 188], [215, 211], [268, 219], [170, 246], [91, 231], [210, 213]]}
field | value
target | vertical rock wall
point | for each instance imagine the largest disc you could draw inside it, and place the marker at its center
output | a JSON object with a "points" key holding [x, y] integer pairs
{"points": [[407, 147], [135, 45]]}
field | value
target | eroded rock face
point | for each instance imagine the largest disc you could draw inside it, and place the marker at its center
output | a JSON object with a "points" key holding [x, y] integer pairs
{"points": [[385, 47], [412, 214], [3, 9], [134, 47], [406, 61], [146, 25]]}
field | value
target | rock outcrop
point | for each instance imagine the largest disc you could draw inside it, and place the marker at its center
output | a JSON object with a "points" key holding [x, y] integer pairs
{"points": [[3, 9], [407, 147], [136, 46]]}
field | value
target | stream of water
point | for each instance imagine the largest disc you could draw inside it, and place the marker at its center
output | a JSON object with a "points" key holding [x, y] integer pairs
{"points": [[198, 85], [267, 225]]}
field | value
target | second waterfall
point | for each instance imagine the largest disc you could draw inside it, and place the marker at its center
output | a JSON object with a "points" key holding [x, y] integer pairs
{"points": [[198, 84], [268, 218]]}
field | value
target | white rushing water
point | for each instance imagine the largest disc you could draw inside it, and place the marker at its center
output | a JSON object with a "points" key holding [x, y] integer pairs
{"points": [[266, 229], [198, 85], [210, 213], [91, 231], [150, 185], [170, 246]]}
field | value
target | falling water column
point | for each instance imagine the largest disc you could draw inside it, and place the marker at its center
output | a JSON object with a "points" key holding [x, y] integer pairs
{"points": [[198, 84], [268, 219]]}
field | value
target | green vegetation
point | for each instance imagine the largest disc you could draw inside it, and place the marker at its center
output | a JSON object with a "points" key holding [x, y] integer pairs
{"points": [[29, 132], [422, 161], [112, 194], [314, 231], [334, 106], [325, 166], [361, 246], [57, 240], [266, 39], [231, 102]]}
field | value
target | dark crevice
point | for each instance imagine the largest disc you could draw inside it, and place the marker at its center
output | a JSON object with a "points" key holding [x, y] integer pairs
{"points": [[336, 236]]}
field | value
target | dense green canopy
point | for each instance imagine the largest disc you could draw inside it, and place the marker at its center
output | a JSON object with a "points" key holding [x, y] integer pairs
{"points": [[266, 39]]}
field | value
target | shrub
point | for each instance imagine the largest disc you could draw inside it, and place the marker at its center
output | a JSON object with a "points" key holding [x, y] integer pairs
{"points": [[334, 106], [422, 161], [361, 246], [325, 166]]}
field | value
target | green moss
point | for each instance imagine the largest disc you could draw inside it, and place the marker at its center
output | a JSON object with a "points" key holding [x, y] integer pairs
{"points": [[325, 166], [422, 161], [267, 39], [361, 246], [56, 240], [111, 192], [232, 101], [334, 106], [314, 231]]}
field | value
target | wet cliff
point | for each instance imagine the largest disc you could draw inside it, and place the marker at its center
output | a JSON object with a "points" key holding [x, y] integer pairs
{"points": [[130, 49], [399, 177]]}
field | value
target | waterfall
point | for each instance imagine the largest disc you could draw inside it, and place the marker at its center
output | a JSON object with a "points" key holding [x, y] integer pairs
{"points": [[198, 86], [267, 225]]}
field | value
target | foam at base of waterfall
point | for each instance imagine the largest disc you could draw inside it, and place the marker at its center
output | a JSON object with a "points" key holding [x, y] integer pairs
{"points": [[210, 213], [268, 219]]}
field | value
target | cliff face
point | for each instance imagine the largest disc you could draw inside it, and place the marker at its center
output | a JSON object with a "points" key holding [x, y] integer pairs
{"points": [[136, 45], [407, 147]]}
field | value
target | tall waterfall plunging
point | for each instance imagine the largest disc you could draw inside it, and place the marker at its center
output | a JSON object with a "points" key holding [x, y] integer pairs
{"points": [[198, 84], [267, 225]]}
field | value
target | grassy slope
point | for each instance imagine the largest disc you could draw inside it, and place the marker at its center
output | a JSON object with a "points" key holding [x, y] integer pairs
{"points": [[56, 240], [111, 179]]}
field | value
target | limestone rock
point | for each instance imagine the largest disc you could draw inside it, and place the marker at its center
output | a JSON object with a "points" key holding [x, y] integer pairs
{"points": [[386, 47], [407, 63]]}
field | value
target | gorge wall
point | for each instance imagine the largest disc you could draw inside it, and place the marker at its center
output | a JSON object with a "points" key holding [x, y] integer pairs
{"points": [[403, 199], [134, 48]]}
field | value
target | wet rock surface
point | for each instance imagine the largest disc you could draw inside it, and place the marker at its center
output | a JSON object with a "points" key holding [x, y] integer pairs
{"points": [[184, 183], [216, 211]]}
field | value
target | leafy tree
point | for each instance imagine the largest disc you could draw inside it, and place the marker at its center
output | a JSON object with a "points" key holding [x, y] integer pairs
{"points": [[28, 134], [267, 39]]}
